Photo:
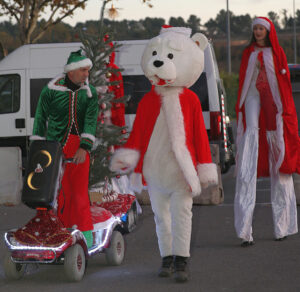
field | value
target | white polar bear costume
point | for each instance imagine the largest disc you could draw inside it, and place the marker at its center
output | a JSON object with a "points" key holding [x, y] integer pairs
{"points": [[168, 148]]}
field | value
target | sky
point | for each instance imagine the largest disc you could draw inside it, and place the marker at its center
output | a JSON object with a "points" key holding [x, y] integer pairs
{"points": [[204, 9]]}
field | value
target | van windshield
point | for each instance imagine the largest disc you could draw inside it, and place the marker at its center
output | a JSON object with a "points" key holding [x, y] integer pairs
{"points": [[9, 93], [136, 86]]}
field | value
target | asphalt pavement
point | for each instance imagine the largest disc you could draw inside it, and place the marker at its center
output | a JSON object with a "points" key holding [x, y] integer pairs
{"points": [[217, 263]]}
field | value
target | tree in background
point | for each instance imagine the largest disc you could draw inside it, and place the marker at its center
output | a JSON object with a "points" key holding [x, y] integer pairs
{"points": [[106, 77], [274, 17], [98, 49], [28, 13], [194, 23], [177, 21]]}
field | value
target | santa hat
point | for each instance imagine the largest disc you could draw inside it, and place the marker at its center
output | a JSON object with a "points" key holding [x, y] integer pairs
{"points": [[182, 30], [262, 21], [77, 60], [268, 24]]}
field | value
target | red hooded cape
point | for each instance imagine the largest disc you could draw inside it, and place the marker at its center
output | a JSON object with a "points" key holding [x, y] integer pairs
{"points": [[291, 161]]}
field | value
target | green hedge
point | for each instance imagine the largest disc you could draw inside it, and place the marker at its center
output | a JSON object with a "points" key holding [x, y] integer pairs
{"points": [[231, 84]]}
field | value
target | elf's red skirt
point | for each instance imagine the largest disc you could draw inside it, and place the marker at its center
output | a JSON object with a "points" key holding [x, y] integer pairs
{"points": [[73, 199]]}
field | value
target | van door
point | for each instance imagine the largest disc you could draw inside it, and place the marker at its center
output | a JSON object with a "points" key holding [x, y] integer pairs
{"points": [[12, 104]]}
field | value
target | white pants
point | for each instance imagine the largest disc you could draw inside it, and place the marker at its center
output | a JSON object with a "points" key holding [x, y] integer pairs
{"points": [[282, 189], [173, 219]]}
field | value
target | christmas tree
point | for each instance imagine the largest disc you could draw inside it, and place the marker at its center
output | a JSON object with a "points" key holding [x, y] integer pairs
{"points": [[99, 50]]}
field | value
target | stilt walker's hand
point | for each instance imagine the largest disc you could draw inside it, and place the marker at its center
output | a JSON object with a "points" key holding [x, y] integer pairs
{"points": [[79, 156]]}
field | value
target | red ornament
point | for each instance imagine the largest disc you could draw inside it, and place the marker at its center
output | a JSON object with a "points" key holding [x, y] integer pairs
{"points": [[103, 106], [123, 131]]}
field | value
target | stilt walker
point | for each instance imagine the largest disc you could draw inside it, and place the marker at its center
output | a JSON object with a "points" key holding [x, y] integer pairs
{"points": [[267, 136]]}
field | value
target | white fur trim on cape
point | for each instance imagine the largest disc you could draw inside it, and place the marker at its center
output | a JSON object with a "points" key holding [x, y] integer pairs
{"points": [[272, 79], [208, 174], [124, 157], [136, 183], [269, 63], [36, 137], [175, 122], [262, 22], [89, 136], [182, 30], [76, 65], [248, 76], [53, 86]]}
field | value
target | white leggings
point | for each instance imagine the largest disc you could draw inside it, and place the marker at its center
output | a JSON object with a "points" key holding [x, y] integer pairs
{"points": [[173, 219], [282, 189]]}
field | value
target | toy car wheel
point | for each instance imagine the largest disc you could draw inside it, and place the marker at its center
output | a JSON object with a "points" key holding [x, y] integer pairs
{"points": [[115, 253], [135, 213], [74, 263], [13, 271], [132, 218]]}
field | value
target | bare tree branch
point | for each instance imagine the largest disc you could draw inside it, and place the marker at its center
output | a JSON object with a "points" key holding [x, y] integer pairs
{"points": [[28, 13], [11, 9]]}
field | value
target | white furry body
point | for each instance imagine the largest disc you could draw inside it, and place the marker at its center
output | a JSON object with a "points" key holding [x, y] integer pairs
{"points": [[169, 193]]}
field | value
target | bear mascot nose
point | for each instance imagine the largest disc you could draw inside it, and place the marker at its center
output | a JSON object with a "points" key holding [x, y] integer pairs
{"points": [[158, 63]]}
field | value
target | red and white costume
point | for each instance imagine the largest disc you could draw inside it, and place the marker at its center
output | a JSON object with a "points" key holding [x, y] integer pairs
{"points": [[267, 136], [170, 151], [168, 147]]}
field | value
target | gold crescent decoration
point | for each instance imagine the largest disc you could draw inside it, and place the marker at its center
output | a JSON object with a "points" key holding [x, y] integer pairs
{"points": [[49, 157], [29, 181]]}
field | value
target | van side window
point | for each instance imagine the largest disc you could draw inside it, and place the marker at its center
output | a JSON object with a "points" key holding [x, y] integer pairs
{"points": [[9, 93], [136, 86], [36, 86], [200, 88]]}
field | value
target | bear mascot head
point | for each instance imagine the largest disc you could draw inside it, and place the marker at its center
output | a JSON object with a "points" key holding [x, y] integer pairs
{"points": [[173, 58]]}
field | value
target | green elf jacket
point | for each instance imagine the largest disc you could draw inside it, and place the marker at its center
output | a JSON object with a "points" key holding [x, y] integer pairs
{"points": [[59, 109]]}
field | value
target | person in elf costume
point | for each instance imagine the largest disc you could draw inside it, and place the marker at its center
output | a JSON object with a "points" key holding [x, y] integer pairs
{"points": [[168, 147], [267, 135], [67, 112]]}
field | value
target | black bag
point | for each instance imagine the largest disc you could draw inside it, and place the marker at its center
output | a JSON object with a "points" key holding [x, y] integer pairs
{"points": [[42, 176]]}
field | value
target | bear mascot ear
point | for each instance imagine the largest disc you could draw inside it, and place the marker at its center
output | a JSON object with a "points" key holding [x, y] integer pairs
{"points": [[200, 40]]}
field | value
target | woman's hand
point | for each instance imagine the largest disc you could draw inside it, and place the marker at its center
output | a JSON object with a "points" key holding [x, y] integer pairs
{"points": [[79, 156]]}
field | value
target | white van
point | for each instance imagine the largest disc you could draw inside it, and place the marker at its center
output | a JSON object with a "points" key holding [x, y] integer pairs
{"points": [[25, 71]]}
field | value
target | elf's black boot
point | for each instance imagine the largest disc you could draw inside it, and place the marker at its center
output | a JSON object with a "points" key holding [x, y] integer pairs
{"points": [[167, 267], [181, 269]]}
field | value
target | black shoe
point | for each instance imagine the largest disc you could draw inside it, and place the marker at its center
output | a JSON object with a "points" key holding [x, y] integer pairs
{"points": [[247, 243], [181, 270], [167, 267], [281, 238]]}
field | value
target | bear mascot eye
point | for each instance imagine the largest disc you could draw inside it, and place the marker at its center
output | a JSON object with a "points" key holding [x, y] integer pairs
{"points": [[154, 53], [170, 56]]}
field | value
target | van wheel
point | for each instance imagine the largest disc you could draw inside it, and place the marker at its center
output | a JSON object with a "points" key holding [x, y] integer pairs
{"points": [[13, 271], [115, 253], [74, 264], [225, 167]]}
